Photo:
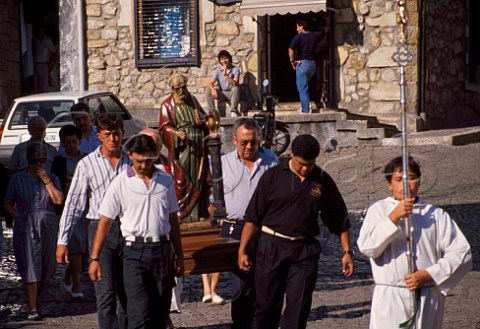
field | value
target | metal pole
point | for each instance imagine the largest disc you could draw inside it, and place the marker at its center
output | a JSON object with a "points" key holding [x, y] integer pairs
{"points": [[214, 144], [403, 57]]}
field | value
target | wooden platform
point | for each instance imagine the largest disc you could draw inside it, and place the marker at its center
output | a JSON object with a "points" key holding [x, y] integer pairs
{"points": [[205, 251]]}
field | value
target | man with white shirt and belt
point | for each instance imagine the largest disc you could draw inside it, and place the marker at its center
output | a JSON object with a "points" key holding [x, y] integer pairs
{"points": [[143, 196], [89, 183]]}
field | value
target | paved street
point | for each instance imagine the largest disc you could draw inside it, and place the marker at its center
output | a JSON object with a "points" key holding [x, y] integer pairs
{"points": [[450, 178]]}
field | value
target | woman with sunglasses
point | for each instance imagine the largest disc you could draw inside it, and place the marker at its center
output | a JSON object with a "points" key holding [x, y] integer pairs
{"points": [[30, 199]]}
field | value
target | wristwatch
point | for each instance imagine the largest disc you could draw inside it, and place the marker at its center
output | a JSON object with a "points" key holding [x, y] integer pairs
{"points": [[348, 252], [92, 259]]}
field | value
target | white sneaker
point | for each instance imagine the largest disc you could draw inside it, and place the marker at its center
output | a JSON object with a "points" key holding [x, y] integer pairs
{"points": [[217, 300], [233, 114], [207, 299]]}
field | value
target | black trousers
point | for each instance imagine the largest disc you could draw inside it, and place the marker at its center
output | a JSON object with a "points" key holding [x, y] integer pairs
{"points": [[243, 298], [149, 279], [284, 267]]}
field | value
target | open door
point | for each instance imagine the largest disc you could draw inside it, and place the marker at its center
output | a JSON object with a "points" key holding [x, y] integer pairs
{"points": [[278, 31]]}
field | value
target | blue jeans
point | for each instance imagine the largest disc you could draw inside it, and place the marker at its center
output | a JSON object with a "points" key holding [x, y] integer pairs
{"points": [[110, 292], [305, 71]]}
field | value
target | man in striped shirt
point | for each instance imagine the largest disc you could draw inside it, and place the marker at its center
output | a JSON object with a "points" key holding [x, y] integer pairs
{"points": [[89, 184]]}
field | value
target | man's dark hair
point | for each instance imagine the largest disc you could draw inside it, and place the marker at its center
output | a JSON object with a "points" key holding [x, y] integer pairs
{"points": [[36, 149], [305, 147], [80, 107], [141, 144], [70, 130], [224, 53], [249, 124], [396, 164], [304, 22], [109, 121]]}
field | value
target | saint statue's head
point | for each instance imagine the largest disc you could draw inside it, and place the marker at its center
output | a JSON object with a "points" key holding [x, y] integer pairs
{"points": [[178, 83]]}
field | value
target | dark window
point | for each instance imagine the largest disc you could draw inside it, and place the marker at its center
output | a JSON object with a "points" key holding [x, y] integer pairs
{"points": [[166, 33]]}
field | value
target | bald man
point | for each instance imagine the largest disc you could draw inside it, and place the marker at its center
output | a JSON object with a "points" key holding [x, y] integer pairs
{"points": [[36, 128]]}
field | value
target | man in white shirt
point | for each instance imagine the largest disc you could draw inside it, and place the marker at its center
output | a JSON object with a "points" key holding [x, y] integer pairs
{"points": [[143, 197]]}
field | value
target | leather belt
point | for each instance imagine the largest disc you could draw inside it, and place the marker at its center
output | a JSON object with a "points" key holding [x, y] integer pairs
{"points": [[234, 221], [148, 239], [268, 230]]}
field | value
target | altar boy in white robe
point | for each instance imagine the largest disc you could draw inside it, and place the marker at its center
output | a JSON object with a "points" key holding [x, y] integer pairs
{"points": [[442, 255]]}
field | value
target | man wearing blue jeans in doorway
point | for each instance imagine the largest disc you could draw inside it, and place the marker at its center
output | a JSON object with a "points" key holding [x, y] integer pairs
{"points": [[303, 53]]}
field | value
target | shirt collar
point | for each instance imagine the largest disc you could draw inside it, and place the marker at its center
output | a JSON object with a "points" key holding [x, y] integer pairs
{"points": [[130, 172], [258, 158]]}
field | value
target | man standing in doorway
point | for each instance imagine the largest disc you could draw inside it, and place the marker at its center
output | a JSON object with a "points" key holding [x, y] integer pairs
{"points": [[284, 209], [302, 53], [226, 77], [44, 49]]}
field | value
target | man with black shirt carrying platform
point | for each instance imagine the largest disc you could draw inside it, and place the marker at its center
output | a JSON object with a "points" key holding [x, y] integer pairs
{"points": [[284, 211]]}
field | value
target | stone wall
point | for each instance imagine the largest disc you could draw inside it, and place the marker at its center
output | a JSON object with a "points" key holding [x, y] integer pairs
{"points": [[366, 76], [111, 57], [448, 103], [10, 68]]}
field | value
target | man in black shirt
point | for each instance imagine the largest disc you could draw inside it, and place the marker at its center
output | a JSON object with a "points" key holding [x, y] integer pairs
{"points": [[303, 52], [285, 208]]}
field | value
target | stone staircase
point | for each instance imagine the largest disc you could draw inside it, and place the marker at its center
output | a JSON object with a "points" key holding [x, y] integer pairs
{"points": [[334, 127]]}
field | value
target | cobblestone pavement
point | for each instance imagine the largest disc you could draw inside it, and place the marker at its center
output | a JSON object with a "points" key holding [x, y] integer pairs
{"points": [[450, 178]]}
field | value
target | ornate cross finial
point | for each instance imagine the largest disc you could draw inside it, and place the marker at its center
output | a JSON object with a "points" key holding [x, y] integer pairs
{"points": [[402, 56]]}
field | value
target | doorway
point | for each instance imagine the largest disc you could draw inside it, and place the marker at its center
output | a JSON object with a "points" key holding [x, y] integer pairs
{"points": [[36, 16], [281, 29]]}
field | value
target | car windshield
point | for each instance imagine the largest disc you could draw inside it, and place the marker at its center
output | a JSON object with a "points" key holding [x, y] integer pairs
{"points": [[106, 103], [55, 113]]}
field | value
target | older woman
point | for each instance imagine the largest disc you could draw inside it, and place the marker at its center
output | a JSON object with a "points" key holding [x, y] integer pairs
{"points": [[30, 199]]}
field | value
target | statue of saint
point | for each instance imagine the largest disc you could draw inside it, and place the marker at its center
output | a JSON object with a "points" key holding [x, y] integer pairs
{"points": [[182, 128]]}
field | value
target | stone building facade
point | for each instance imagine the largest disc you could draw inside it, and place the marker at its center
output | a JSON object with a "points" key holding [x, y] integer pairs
{"points": [[366, 79]]}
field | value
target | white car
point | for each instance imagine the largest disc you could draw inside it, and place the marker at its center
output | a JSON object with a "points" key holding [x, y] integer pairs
{"points": [[55, 109]]}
